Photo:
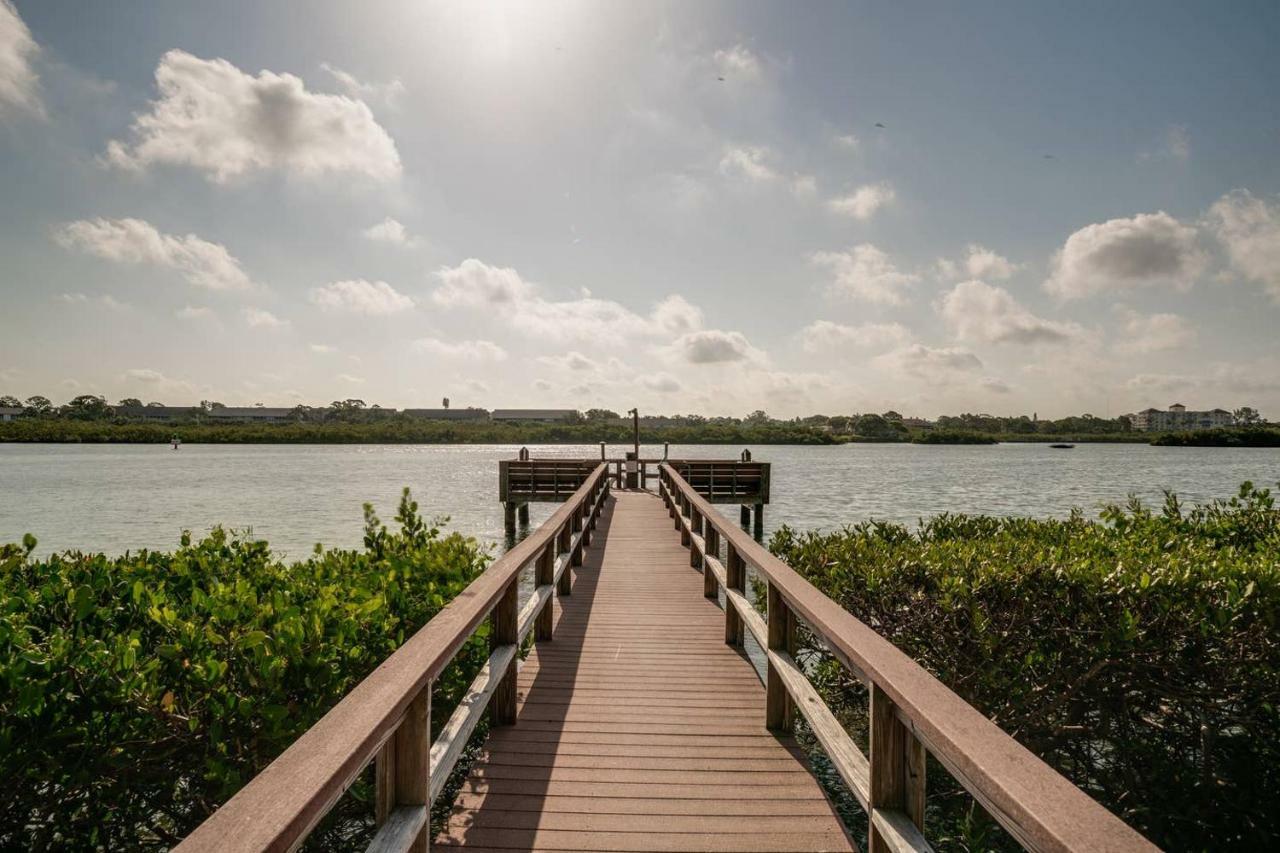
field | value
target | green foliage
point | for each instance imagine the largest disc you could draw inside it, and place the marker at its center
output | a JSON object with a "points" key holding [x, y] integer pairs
{"points": [[1138, 654], [400, 429], [138, 693], [1249, 436], [952, 436]]}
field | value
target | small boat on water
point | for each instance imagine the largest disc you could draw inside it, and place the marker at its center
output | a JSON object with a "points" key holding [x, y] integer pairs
{"points": [[1062, 446]]}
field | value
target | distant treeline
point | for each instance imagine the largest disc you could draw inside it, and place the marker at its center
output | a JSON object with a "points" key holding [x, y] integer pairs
{"points": [[1224, 437], [404, 430]]}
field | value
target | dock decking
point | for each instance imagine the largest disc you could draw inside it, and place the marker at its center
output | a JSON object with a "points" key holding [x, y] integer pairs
{"points": [[638, 727]]}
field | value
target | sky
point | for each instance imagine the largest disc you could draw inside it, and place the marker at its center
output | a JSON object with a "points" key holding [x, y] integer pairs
{"points": [[684, 207]]}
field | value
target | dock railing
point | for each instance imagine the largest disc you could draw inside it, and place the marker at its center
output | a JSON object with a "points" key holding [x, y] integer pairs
{"points": [[911, 712], [386, 718]]}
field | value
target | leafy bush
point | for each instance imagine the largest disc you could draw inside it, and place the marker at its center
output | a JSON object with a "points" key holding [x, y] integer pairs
{"points": [[138, 693], [952, 436], [1138, 654], [1251, 436]]}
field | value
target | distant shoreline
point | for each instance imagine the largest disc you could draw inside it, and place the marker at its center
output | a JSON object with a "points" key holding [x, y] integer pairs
{"points": [[61, 431]]}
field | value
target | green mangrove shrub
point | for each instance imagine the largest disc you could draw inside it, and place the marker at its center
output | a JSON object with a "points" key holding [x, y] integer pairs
{"points": [[137, 693], [1138, 654]]}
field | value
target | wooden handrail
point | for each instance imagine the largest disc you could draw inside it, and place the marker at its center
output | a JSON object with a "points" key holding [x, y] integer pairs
{"points": [[911, 711], [388, 713]]}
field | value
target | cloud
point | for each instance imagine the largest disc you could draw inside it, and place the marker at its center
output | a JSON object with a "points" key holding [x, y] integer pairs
{"points": [[542, 385], [144, 374], [105, 300], [663, 383], [715, 346], [1155, 333], [1159, 382], [213, 117], [995, 385], [388, 94], [826, 336], [863, 202], [358, 296], [350, 379], [1121, 254], [1249, 230], [19, 83], [475, 284], [475, 351], [391, 232], [986, 264], [521, 305], [193, 312], [864, 273], [931, 363], [259, 318], [322, 349], [847, 141], [1174, 145], [157, 382], [133, 241], [981, 312], [747, 162], [572, 360], [737, 63]]}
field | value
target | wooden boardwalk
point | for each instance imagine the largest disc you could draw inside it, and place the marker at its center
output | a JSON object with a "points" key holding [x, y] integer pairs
{"points": [[638, 728]]}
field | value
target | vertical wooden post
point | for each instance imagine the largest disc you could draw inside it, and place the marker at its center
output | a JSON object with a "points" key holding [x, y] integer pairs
{"points": [[735, 571], [897, 767], [695, 527], [575, 559], [711, 541], [758, 526], [524, 514], [744, 515], [562, 546], [545, 571], [403, 766], [509, 518], [504, 630], [782, 638]]}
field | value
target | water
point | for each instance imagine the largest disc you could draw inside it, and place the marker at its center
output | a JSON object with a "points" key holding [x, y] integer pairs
{"points": [[115, 498]]}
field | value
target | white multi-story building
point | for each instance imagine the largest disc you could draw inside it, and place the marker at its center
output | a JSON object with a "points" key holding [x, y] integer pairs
{"points": [[1177, 417]]}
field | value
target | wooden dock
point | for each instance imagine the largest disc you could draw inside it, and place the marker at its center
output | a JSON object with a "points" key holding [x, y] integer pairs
{"points": [[638, 727], [637, 723]]}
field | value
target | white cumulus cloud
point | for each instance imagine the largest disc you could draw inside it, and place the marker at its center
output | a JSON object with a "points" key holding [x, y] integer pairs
{"points": [[1121, 254], [19, 83], [134, 241], [388, 93], [980, 312], [737, 63], [391, 232], [715, 346], [1154, 333], [214, 117], [358, 296], [865, 273], [863, 202], [475, 351], [929, 363], [748, 162], [825, 336], [260, 318], [1249, 230]]}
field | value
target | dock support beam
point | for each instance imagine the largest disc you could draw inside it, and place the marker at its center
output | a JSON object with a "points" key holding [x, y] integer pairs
{"points": [[758, 528], [509, 518], [744, 515], [524, 514]]}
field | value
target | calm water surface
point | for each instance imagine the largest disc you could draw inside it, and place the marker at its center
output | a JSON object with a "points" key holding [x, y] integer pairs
{"points": [[124, 497]]}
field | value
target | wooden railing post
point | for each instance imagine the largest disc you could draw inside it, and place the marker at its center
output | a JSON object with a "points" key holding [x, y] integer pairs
{"points": [[505, 631], [563, 538], [711, 548], [695, 528], [575, 559], [897, 768], [779, 711], [402, 769], [735, 578], [545, 574]]}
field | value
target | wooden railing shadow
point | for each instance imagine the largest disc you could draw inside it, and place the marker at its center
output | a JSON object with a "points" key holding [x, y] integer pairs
{"points": [[558, 662]]}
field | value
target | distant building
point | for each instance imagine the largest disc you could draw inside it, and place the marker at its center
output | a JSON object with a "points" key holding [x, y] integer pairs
{"points": [[448, 414], [1178, 417], [249, 414], [535, 416], [9, 413], [156, 413], [917, 423]]}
